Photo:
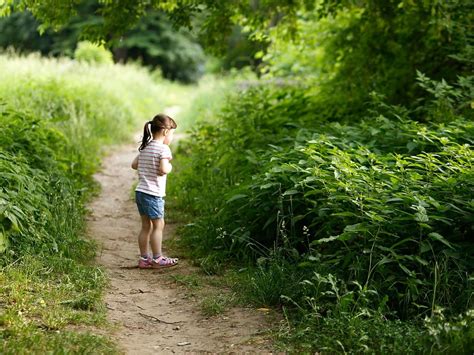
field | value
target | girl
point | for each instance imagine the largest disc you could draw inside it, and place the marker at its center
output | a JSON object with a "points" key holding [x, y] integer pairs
{"points": [[153, 165]]}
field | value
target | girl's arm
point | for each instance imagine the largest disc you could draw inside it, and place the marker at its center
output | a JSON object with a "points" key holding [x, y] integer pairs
{"points": [[135, 163], [165, 167]]}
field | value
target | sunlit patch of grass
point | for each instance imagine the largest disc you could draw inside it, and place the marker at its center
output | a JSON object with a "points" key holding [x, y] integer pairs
{"points": [[35, 340], [42, 296], [206, 98]]}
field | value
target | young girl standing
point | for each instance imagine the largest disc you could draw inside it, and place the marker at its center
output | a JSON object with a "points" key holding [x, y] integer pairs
{"points": [[153, 165]]}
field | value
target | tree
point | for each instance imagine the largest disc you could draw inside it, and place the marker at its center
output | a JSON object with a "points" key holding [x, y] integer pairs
{"points": [[152, 40], [155, 42], [116, 17]]}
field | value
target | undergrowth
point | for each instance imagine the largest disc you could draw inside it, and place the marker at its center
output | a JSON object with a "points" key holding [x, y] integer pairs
{"points": [[358, 230]]}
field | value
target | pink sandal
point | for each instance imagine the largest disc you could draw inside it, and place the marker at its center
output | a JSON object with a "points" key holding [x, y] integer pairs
{"points": [[163, 261], [144, 263]]}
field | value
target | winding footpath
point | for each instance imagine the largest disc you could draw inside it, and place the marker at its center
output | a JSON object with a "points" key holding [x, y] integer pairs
{"points": [[150, 312]]}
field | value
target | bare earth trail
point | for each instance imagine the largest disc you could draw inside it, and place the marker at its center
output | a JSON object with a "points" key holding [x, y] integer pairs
{"points": [[151, 312]]}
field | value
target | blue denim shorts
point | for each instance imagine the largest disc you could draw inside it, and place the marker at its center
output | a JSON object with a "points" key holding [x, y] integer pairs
{"points": [[149, 205]]}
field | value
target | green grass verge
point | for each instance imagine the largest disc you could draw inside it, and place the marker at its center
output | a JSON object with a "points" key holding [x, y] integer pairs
{"points": [[52, 304]]}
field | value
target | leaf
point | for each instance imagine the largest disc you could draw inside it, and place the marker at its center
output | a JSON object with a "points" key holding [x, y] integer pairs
{"points": [[425, 246], [290, 192], [395, 199], [411, 146], [440, 238], [344, 214], [325, 240], [236, 197], [3, 242], [358, 227], [405, 269]]}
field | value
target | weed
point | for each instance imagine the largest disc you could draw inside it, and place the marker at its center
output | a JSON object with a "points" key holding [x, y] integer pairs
{"points": [[216, 303], [190, 281]]}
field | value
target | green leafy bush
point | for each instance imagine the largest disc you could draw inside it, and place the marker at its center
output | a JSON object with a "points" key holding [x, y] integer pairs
{"points": [[92, 53], [41, 197], [373, 46], [456, 333], [384, 204]]}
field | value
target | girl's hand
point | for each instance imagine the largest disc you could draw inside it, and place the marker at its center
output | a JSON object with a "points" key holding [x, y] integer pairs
{"points": [[135, 163], [165, 167]]}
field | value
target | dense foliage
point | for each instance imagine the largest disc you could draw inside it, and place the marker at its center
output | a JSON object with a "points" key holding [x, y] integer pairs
{"points": [[384, 206], [347, 179], [156, 43], [115, 18], [378, 46]]}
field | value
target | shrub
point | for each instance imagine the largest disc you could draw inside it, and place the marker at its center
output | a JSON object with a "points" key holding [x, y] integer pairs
{"points": [[92, 53], [381, 205]]}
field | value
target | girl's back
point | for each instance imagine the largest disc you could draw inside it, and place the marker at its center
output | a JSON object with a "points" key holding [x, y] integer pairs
{"points": [[150, 181]]}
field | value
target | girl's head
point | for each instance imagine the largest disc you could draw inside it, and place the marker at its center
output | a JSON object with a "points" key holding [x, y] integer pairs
{"points": [[160, 125]]}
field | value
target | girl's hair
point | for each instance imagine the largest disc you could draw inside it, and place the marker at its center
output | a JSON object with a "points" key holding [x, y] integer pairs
{"points": [[160, 121]]}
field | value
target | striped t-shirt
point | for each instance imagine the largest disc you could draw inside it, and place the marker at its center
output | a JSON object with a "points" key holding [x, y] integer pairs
{"points": [[149, 158]]}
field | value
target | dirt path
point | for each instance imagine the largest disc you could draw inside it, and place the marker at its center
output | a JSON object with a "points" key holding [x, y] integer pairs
{"points": [[152, 313]]}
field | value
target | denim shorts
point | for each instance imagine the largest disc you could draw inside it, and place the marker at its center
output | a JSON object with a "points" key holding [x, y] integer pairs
{"points": [[149, 205]]}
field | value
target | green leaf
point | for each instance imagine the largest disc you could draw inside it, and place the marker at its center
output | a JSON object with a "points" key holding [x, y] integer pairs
{"points": [[236, 197], [425, 246], [325, 240], [290, 192], [3, 242], [440, 238], [358, 227]]}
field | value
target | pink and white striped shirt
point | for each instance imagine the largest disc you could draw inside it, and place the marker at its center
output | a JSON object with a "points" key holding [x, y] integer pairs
{"points": [[149, 158]]}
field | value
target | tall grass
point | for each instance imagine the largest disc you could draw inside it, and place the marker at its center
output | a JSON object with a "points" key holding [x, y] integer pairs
{"points": [[57, 116], [94, 100]]}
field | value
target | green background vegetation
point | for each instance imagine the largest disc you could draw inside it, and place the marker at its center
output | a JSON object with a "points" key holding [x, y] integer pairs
{"points": [[338, 187]]}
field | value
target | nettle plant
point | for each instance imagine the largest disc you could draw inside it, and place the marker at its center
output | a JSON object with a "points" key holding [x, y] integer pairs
{"points": [[400, 223]]}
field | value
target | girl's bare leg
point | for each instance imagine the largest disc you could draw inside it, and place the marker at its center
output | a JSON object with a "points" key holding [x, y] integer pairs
{"points": [[156, 236], [144, 235]]}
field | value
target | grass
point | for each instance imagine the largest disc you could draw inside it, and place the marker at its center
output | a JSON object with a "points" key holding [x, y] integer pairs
{"points": [[217, 303], [212, 292], [354, 227], [43, 297], [191, 281]]}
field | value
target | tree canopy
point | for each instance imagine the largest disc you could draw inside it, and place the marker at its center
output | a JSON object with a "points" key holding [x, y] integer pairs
{"points": [[116, 17]]}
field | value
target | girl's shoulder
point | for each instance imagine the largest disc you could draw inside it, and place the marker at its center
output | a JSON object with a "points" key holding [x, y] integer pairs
{"points": [[155, 148]]}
